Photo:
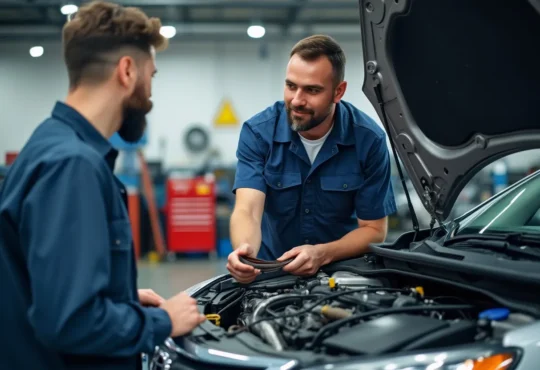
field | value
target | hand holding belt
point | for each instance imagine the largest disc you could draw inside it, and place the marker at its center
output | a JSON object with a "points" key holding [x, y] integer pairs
{"points": [[263, 265]]}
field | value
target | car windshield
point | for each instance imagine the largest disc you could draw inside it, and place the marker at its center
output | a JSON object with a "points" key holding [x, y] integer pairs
{"points": [[515, 211]]}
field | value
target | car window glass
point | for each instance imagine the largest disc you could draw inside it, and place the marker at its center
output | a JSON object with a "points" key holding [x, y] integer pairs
{"points": [[517, 210]]}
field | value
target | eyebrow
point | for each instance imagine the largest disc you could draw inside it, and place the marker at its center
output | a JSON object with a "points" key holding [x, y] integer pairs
{"points": [[319, 87]]}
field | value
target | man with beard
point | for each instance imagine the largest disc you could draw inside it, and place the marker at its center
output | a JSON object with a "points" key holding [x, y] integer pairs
{"points": [[313, 181], [66, 259]]}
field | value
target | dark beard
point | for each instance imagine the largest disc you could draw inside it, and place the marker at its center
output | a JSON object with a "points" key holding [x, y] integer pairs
{"points": [[310, 124], [134, 116], [133, 125]]}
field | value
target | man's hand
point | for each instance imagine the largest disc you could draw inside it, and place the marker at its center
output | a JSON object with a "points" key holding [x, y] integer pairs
{"points": [[184, 314], [149, 298], [307, 259], [241, 272]]}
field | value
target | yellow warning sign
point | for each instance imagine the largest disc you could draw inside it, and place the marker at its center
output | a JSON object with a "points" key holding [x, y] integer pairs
{"points": [[226, 115]]}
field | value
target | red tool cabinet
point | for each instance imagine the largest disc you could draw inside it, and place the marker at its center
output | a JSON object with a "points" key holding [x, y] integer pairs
{"points": [[191, 216]]}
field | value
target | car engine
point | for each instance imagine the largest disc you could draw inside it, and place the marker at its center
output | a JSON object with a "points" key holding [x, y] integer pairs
{"points": [[338, 315]]}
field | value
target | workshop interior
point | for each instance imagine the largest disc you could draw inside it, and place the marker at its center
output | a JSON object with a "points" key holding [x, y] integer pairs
{"points": [[226, 62]]}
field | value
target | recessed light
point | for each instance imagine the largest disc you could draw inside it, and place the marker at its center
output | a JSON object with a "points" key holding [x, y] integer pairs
{"points": [[167, 31], [36, 51], [69, 9], [256, 31]]}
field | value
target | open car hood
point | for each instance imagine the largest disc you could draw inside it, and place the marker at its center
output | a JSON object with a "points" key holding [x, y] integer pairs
{"points": [[458, 82]]}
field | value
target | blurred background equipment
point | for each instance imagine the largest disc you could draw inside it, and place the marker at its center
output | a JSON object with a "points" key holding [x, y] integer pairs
{"points": [[191, 215], [226, 62]]}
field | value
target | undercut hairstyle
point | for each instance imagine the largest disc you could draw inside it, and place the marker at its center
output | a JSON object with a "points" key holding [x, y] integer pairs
{"points": [[313, 47], [100, 33]]}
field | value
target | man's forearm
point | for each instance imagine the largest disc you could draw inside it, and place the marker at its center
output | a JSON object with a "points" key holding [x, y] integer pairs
{"points": [[245, 229], [353, 244]]}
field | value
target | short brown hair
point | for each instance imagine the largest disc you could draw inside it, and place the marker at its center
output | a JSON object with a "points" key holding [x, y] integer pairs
{"points": [[100, 30], [315, 46]]}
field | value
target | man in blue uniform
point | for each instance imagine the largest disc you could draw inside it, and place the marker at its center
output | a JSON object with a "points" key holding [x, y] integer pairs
{"points": [[66, 259], [313, 180]]}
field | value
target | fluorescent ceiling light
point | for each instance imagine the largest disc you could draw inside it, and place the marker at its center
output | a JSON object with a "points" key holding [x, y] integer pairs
{"points": [[256, 32], [69, 9], [36, 51], [167, 31]]}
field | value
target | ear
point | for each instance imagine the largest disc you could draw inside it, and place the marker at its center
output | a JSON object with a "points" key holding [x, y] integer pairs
{"points": [[340, 91], [127, 73]]}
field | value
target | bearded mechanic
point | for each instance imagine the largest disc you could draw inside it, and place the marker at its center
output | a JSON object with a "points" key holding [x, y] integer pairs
{"points": [[66, 259], [313, 179]]}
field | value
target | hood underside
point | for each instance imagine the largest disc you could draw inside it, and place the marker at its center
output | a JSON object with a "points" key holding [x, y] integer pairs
{"points": [[458, 82]]}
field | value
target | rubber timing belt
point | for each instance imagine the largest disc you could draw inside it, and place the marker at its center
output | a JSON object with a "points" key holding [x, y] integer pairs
{"points": [[263, 265]]}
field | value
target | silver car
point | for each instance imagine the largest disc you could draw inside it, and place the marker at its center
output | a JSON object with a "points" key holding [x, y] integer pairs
{"points": [[456, 84]]}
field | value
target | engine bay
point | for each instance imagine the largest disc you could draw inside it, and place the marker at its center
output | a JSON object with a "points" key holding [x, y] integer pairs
{"points": [[343, 313]]}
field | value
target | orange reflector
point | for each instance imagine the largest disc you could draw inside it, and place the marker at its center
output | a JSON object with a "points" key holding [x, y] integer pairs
{"points": [[496, 362]]}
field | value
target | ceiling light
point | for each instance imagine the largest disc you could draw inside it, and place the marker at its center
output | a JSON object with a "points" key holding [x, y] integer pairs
{"points": [[167, 31], [36, 51], [69, 9], [256, 31]]}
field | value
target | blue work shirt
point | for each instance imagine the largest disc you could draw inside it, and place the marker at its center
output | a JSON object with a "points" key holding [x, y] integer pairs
{"points": [[67, 264], [314, 204]]}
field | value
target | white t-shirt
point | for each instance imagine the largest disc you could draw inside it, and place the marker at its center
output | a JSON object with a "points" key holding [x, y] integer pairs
{"points": [[314, 146]]}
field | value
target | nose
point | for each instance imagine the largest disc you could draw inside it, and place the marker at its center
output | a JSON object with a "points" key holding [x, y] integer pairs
{"points": [[298, 99]]}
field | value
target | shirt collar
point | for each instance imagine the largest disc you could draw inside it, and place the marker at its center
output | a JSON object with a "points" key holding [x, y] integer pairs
{"points": [[88, 133], [342, 132]]}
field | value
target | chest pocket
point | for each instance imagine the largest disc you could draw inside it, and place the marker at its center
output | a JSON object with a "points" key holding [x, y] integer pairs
{"points": [[283, 193], [338, 194], [121, 257]]}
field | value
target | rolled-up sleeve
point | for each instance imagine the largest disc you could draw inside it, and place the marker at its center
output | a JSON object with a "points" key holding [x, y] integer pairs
{"points": [[250, 166], [64, 227], [375, 199]]}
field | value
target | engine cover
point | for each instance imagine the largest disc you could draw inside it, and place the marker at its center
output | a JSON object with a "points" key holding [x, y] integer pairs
{"points": [[394, 332]]}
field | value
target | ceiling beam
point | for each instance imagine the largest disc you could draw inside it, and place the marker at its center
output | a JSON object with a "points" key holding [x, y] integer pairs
{"points": [[185, 18], [268, 4], [19, 40], [169, 20], [293, 14]]}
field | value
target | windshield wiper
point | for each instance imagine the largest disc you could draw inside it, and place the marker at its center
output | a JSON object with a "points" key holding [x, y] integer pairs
{"points": [[514, 238], [519, 244]]}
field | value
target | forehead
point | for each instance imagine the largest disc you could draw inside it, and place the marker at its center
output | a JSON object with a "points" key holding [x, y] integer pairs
{"points": [[302, 71]]}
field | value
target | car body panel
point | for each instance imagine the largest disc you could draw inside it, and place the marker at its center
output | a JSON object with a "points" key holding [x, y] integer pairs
{"points": [[459, 86], [188, 349], [417, 361], [528, 339]]}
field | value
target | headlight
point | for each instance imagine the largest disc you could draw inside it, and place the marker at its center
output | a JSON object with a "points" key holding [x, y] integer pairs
{"points": [[502, 361], [484, 358]]}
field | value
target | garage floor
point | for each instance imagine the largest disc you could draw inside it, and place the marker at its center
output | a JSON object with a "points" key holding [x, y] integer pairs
{"points": [[170, 278]]}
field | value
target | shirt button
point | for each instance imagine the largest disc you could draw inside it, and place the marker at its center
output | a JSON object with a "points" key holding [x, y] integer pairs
{"points": [[117, 242], [279, 184], [307, 210], [309, 181], [306, 241], [345, 186]]}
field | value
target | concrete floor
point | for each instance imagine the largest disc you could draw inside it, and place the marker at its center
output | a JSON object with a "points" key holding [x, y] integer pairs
{"points": [[170, 278]]}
